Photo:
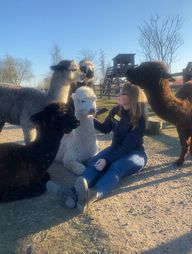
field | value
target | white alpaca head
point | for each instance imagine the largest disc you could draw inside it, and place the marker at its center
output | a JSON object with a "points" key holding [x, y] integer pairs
{"points": [[84, 101], [69, 71]]}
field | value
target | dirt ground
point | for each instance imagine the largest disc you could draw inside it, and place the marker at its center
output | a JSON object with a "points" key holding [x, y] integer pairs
{"points": [[149, 213]]}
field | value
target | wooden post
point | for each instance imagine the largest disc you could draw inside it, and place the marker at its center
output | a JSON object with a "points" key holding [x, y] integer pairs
{"points": [[154, 126], [101, 91], [108, 91]]}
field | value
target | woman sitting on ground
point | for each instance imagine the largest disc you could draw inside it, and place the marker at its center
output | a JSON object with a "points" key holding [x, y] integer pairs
{"points": [[125, 156]]}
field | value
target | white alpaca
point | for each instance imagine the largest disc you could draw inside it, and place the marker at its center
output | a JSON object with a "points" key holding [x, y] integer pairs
{"points": [[81, 143]]}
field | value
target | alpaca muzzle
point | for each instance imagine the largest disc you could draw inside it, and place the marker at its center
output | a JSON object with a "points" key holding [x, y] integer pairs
{"points": [[92, 111], [89, 74], [130, 75]]}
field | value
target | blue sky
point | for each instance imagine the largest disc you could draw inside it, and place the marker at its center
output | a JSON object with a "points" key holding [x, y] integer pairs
{"points": [[30, 28]]}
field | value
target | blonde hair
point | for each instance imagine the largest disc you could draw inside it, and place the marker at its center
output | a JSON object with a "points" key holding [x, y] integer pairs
{"points": [[138, 103]]}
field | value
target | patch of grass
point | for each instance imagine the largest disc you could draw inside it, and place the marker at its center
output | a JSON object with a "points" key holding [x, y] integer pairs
{"points": [[105, 103]]}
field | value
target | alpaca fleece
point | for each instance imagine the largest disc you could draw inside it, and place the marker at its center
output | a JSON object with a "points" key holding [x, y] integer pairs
{"points": [[23, 171], [19, 103], [153, 77], [81, 143]]}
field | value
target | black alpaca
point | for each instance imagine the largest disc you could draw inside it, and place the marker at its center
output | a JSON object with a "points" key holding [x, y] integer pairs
{"points": [[23, 168]]}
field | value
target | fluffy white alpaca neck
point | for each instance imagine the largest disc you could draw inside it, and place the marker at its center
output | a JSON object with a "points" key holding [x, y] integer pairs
{"points": [[86, 136], [85, 131]]}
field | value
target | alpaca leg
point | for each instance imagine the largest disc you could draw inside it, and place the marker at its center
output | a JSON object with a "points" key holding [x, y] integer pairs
{"points": [[75, 166], [1, 125], [185, 140], [183, 155], [190, 149], [60, 153], [29, 134]]}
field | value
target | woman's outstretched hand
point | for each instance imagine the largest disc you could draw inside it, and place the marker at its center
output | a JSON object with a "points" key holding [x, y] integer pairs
{"points": [[100, 164]]}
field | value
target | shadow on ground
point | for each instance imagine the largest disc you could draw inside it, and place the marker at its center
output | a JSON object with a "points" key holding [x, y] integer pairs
{"points": [[144, 176], [22, 218], [178, 245]]}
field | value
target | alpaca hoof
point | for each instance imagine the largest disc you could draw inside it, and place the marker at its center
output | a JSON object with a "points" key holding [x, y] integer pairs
{"points": [[66, 196], [178, 163], [52, 188], [70, 202], [79, 169]]}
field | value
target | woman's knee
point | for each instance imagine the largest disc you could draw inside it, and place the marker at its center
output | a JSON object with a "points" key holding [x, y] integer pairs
{"points": [[138, 159], [125, 167]]}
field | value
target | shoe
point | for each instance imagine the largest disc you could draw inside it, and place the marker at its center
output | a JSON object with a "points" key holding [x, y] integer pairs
{"points": [[81, 189], [64, 195], [84, 195], [93, 195]]}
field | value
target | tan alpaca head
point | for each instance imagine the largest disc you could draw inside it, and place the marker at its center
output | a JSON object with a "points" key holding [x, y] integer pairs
{"points": [[88, 68], [69, 70]]}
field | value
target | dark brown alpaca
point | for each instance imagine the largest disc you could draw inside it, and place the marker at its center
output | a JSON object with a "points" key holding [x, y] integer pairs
{"points": [[185, 92], [23, 167], [153, 77]]}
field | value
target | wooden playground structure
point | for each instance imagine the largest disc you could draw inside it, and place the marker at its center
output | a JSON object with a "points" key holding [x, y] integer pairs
{"points": [[115, 75]]}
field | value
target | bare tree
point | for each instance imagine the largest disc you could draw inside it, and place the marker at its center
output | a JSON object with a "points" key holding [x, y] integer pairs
{"points": [[23, 70], [160, 38], [15, 70], [102, 65], [44, 84], [88, 54], [56, 55]]}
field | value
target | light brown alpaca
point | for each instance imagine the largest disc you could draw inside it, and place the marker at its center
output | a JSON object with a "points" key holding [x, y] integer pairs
{"points": [[153, 77]]}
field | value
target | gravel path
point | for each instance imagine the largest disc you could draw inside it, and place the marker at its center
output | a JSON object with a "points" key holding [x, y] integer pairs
{"points": [[150, 212]]}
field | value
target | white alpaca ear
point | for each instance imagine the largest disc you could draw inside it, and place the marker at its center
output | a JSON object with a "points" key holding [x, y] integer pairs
{"points": [[73, 96]]}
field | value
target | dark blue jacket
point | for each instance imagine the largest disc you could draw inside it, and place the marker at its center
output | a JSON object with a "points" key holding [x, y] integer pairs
{"points": [[125, 138]]}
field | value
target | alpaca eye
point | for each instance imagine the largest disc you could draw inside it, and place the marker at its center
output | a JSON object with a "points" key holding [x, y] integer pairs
{"points": [[73, 70], [82, 101], [83, 69]]}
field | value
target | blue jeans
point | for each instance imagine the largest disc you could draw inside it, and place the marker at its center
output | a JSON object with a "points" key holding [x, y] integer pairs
{"points": [[107, 179]]}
